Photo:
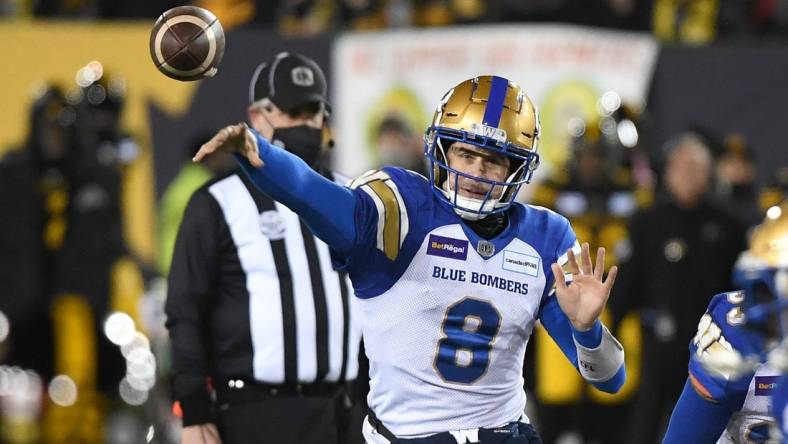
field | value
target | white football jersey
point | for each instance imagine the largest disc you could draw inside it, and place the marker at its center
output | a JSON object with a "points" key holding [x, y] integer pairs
{"points": [[446, 316], [755, 414]]}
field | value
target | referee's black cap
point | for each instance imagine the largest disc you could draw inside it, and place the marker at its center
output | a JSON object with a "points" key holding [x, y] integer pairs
{"points": [[290, 80]]}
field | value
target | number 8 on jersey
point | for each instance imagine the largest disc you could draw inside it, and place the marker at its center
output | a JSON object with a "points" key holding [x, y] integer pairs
{"points": [[469, 329]]}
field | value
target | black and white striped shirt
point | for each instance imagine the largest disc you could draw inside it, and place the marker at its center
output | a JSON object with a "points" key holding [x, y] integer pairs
{"points": [[252, 295]]}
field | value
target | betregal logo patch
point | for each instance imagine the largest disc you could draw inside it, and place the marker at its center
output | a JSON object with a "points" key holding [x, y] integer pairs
{"points": [[764, 385], [447, 247]]}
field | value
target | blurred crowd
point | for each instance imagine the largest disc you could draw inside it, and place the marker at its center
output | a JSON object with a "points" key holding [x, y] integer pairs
{"points": [[86, 360], [79, 332], [686, 21]]}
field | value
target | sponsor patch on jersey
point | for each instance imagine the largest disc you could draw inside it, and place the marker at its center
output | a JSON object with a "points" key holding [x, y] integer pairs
{"points": [[521, 263], [447, 247], [764, 385]]}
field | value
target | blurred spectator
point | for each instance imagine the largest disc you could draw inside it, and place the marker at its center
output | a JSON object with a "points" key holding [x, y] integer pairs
{"points": [[682, 250], [93, 274], [685, 21], [370, 14], [737, 178], [776, 189], [306, 17], [700, 21], [33, 196], [598, 196], [621, 14], [399, 145], [25, 201], [232, 13], [105, 9], [375, 14], [129, 9], [175, 198]]}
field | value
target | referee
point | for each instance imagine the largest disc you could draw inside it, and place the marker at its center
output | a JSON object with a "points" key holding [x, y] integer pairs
{"points": [[262, 329]]}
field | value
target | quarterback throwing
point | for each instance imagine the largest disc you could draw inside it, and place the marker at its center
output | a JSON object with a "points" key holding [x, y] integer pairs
{"points": [[451, 273]]}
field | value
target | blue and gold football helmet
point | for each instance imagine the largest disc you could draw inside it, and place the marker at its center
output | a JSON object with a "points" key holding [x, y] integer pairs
{"points": [[492, 113], [762, 273]]}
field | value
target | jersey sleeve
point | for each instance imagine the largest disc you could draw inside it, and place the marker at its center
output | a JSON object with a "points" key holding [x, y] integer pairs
{"points": [[384, 229], [381, 217], [721, 338], [695, 419]]}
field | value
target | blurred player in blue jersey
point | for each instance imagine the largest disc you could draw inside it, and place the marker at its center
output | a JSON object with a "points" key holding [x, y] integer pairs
{"points": [[451, 273], [741, 350], [780, 402]]}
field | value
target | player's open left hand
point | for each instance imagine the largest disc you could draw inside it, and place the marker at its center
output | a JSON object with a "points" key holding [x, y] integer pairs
{"points": [[584, 300], [232, 139]]}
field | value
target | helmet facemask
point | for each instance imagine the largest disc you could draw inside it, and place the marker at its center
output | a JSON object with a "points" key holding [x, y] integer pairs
{"points": [[446, 180], [762, 273]]}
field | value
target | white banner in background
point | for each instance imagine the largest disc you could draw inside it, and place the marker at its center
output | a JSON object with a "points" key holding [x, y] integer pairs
{"points": [[564, 69]]}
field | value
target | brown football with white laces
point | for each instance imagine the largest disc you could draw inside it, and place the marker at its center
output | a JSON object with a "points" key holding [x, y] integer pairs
{"points": [[187, 43]]}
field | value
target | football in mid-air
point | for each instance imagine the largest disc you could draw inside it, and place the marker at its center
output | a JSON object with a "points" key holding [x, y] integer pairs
{"points": [[187, 43]]}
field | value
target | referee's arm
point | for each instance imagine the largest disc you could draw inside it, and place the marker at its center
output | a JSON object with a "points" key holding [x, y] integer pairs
{"points": [[190, 293]]}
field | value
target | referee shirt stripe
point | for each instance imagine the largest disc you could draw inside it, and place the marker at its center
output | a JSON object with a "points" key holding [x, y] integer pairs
{"points": [[319, 297], [353, 339], [286, 292], [336, 313], [303, 303], [255, 255], [346, 328]]}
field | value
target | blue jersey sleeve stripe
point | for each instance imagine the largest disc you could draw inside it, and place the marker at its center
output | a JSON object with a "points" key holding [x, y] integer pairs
{"points": [[495, 101], [559, 328], [613, 385], [590, 338]]}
